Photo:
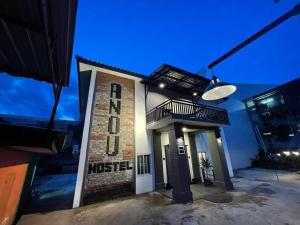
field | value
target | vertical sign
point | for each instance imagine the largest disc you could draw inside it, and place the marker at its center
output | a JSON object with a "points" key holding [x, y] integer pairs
{"points": [[111, 142]]}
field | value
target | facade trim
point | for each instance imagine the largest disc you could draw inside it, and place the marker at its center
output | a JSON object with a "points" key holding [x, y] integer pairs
{"points": [[84, 143], [108, 67]]}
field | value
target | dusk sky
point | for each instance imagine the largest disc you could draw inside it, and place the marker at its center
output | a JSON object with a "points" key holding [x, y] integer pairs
{"points": [[141, 35]]}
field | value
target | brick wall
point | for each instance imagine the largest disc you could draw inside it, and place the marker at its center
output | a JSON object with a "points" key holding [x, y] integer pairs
{"points": [[110, 166]]}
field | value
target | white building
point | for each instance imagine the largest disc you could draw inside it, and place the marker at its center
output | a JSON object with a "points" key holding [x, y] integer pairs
{"points": [[143, 134]]}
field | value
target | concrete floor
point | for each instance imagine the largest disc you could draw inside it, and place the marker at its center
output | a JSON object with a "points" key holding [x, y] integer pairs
{"points": [[258, 199], [200, 191]]}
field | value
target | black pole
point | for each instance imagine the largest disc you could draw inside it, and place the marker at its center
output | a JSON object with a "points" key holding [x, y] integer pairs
{"points": [[293, 12], [54, 109]]}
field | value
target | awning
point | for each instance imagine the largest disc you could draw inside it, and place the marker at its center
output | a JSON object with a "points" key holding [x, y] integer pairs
{"points": [[32, 139], [177, 80], [36, 38]]}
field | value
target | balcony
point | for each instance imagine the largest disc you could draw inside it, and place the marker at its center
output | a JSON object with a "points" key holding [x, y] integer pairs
{"points": [[187, 112]]}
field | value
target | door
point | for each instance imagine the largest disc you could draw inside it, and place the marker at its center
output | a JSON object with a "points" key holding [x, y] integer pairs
{"points": [[168, 166]]}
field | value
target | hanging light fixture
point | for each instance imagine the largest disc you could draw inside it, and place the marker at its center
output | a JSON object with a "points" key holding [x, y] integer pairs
{"points": [[217, 90]]}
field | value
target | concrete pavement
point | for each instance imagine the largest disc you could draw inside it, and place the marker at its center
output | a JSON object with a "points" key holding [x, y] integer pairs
{"points": [[258, 199]]}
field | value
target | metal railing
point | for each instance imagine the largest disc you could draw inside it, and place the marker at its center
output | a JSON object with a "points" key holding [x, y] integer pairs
{"points": [[181, 109]]}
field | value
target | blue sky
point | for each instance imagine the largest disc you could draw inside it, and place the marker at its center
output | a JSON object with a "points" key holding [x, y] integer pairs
{"points": [[141, 35]]}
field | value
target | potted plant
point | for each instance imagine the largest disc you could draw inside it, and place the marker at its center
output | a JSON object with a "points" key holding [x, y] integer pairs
{"points": [[206, 164]]}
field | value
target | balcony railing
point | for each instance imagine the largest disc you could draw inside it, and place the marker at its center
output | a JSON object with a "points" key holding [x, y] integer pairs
{"points": [[179, 109]]}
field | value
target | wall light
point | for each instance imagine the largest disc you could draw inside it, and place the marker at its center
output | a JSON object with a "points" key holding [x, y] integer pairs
{"points": [[184, 129], [296, 153], [161, 85], [195, 94], [278, 154], [287, 153]]}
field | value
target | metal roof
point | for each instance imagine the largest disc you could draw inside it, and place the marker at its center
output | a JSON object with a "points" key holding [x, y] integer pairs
{"points": [[108, 67], [36, 38], [178, 80], [33, 139]]}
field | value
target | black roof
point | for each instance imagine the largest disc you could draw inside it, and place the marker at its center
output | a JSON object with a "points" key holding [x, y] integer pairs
{"points": [[294, 82], [178, 80], [32, 139], [36, 38], [109, 67]]}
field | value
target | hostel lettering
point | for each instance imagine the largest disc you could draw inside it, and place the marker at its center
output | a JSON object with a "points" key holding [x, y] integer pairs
{"points": [[108, 167], [114, 119]]}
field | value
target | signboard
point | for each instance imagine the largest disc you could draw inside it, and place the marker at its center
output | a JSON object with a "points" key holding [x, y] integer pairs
{"points": [[111, 143]]}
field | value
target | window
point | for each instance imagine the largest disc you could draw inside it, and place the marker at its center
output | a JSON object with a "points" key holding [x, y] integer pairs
{"points": [[143, 164]]}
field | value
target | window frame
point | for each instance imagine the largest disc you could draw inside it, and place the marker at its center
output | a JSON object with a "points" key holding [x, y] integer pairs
{"points": [[143, 164]]}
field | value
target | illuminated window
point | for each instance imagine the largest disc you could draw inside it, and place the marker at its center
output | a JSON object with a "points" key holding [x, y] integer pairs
{"points": [[143, 164]]}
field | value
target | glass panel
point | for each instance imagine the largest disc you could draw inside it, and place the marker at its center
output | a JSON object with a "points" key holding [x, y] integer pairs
{"points": [[142, 167], [148, 156], [145, 164], [138, 164]]}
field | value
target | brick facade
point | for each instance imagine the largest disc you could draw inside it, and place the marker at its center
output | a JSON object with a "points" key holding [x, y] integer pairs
{"points": [[110, 170]]}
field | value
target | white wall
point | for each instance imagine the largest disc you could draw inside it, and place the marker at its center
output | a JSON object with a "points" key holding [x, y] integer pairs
{"points": [[154, 98], [143, 143], [202, 143], [240, 137], [189, 155]]}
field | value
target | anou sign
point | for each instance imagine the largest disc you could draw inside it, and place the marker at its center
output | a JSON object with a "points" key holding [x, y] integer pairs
{"points": [[114, 119], [111, 140]]}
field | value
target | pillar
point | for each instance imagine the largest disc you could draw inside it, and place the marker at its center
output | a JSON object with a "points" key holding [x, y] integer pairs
{"points": [[219, 160], [179, 166]]}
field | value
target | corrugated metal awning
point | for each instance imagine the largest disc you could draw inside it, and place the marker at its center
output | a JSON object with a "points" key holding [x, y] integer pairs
{"points": [[36, 38]]}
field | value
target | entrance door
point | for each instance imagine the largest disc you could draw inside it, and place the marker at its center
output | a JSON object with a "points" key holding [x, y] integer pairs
{"points": [[168, 166]]}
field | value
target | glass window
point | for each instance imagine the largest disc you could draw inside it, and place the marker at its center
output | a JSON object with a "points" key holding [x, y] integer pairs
{"points": [[143, 164]]}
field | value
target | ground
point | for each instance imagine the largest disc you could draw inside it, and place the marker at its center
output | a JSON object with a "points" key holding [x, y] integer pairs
{"points": [[258, 198], [50, 189]]}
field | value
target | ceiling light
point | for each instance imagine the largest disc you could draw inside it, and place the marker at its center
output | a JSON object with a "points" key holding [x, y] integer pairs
{"points": [[296, 153], [287, 153], [267, 100], [184, 129], [278, 154], [162, 85], [218, 90], [195, 94]]}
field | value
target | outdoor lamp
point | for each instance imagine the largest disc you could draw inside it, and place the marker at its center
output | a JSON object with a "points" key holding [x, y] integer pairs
{"points": [[218, 90]]}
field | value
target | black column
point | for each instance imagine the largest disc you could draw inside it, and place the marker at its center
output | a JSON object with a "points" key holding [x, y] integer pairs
{"points": [[179, 166], [219, 161], [194, 155], [159, 177]]}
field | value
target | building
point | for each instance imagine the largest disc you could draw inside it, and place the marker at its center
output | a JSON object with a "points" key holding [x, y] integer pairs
{"points": [[143, 134], [275, 116], [34, 44], [240, 136]]}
